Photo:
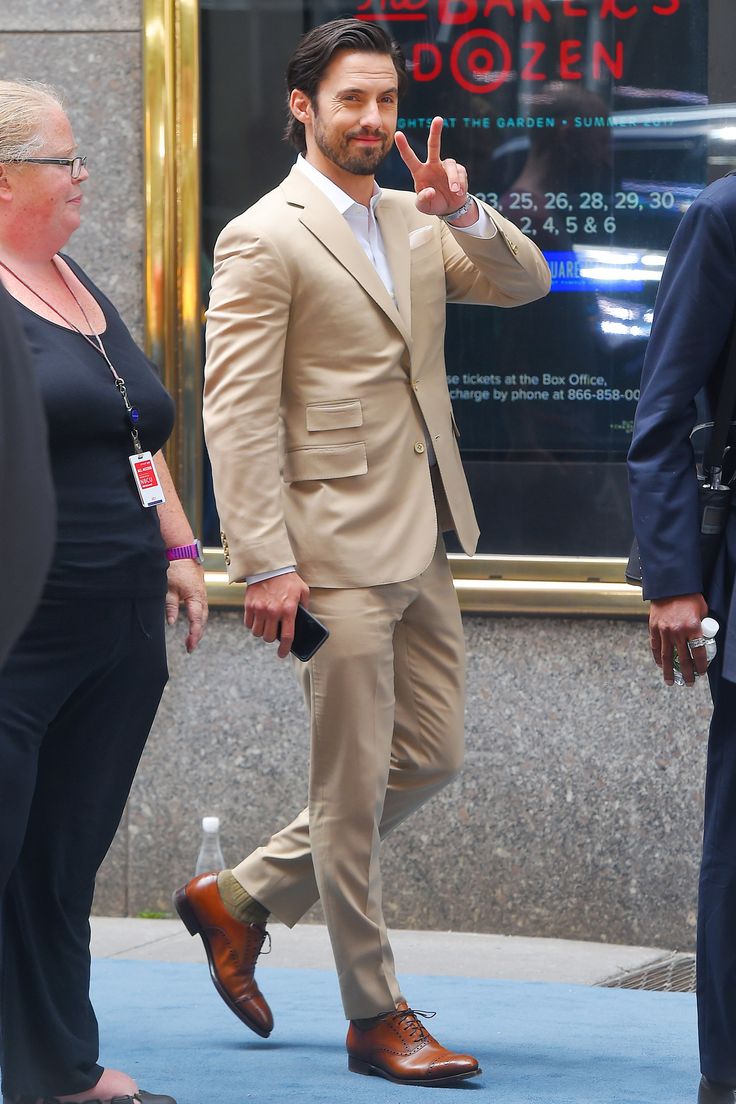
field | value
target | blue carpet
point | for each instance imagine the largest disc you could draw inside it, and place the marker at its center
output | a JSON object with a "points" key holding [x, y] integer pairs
{"points": [[537, 1043]]}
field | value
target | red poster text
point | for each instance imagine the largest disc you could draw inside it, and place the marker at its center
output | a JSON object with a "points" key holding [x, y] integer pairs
{"points": [[458, 12], [481, 59]]}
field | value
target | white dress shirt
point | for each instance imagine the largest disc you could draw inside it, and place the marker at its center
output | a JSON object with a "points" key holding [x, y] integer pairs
{"points": [[362, 221]]}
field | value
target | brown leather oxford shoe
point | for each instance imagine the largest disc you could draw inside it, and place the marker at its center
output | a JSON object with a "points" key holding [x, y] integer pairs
{"points": [[232, 950], [398, 1047]]}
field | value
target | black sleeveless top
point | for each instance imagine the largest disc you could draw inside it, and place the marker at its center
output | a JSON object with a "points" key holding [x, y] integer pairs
{"points": [[107, 544]]}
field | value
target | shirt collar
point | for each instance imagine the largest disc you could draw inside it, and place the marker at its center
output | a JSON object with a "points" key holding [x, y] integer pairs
{"points": [[336, 195]]}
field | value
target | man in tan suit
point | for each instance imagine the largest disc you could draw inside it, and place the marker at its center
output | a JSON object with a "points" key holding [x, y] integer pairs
{"points": [[336, 468]]}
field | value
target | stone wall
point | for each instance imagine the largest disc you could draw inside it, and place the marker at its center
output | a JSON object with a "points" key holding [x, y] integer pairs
{"points": [[577, 814], [91, 52]]}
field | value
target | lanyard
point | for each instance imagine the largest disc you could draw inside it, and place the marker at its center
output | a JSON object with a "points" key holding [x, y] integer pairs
{"points": [[93, 339]]}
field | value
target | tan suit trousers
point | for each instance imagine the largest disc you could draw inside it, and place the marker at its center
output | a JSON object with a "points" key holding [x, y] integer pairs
{"points": [[386, 700]]}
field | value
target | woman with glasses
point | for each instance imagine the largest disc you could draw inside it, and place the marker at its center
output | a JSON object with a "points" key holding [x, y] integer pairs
{"points": [[80, 688]]}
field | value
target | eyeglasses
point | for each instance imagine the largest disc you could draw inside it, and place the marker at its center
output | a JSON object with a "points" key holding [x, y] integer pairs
{"points": [[76, 164]]}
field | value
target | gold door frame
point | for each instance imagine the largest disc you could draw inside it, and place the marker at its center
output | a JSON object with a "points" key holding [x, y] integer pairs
{"points": [[563, 586], [173, 204]]}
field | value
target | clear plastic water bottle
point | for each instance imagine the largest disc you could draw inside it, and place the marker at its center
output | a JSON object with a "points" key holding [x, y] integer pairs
{"points": [[209, 859], [708, 629]]}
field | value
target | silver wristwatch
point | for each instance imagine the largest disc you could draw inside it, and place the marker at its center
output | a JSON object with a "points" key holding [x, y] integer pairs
{"points": [[455, 215]]}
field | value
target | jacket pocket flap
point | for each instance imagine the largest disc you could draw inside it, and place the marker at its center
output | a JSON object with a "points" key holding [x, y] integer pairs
{"points": [[343, 414], [326, 462]]}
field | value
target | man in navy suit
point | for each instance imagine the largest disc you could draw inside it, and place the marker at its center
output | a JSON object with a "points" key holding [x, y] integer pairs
{"points": [[694, 314]]}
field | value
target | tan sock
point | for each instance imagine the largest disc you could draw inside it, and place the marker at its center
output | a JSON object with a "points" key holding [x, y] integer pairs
{"points": [[238, 901]]}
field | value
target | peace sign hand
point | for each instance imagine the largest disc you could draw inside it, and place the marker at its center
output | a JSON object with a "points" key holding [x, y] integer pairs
{"points": [[441, 186]]}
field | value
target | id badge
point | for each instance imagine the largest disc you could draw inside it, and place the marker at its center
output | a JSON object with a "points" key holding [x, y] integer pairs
{"points": [[146, 479]]}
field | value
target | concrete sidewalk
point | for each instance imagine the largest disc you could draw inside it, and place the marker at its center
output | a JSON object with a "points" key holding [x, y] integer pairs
{"points": [[458, 954]]}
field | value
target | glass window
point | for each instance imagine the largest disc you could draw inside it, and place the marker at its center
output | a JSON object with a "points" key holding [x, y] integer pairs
{"points": [[585, 122]]}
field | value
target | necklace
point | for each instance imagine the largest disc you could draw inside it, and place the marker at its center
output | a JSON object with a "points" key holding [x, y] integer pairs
{"points": [[92, 338]]}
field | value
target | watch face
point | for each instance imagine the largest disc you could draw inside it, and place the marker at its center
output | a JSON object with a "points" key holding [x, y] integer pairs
{"points": [[198, 557]]}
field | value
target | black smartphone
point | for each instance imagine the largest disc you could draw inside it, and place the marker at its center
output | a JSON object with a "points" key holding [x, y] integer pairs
{"points": [[309, 634]]}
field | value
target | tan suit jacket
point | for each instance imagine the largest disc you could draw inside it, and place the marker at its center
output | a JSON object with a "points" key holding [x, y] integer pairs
{"points": [[318, 387]]}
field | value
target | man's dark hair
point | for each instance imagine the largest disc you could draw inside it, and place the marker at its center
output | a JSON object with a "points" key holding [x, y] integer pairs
{"points": [[315, 52]]}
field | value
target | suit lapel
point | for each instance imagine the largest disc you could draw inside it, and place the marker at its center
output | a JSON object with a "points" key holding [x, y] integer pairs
{"points": [[395, 234], [320, 217]]}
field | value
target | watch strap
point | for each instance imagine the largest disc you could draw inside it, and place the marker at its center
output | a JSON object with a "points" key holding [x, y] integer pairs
{"points": [[185, 552], [455, 215]]}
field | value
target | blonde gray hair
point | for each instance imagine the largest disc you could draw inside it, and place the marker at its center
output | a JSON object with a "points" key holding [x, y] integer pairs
{"points": [[23, 106]]}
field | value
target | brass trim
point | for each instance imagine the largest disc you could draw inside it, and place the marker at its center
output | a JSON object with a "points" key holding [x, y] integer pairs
{"points": [[173, 206], [553, 569], [189, 248], [160, 182], [560, 586]]}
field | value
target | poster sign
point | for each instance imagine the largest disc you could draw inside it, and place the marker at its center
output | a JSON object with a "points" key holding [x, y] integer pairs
{"points": [[575, 119]]}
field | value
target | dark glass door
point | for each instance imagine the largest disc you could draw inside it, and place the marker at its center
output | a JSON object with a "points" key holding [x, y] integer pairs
{"points": [[585, 122]]}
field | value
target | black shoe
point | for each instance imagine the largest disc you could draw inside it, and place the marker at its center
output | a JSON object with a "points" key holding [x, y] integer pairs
{"points": [[710, 1093], [141, 1097]]}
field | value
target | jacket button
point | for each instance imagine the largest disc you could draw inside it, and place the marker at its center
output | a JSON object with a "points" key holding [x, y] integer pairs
{"points": [[419, 447]]}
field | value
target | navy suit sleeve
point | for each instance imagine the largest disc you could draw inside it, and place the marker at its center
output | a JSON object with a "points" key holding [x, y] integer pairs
{"points": [[692, 320]]}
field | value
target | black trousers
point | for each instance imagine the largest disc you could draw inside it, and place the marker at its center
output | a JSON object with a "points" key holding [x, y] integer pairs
{"points": [[717, 899], [78, 695]]}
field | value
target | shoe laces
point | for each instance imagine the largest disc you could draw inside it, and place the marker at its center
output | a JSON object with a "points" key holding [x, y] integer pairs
{"points": [[254, 949], [408, 1018]]}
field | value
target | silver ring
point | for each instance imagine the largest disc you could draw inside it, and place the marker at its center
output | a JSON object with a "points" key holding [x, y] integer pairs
{"points": [[697, 642]]}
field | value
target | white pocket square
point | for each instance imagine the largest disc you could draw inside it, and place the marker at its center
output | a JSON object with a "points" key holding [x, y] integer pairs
{"points": [[420, 236]]}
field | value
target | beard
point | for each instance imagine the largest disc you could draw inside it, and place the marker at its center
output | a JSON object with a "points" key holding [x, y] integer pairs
{"points": [[338, 150]]}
